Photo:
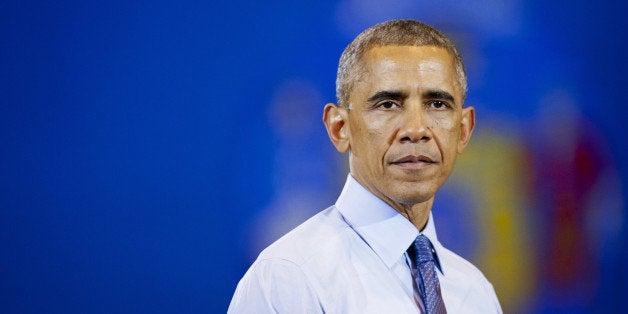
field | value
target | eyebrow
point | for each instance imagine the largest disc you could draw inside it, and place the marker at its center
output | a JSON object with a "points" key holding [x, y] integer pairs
{"points": [[397, 95], [439, 94]]}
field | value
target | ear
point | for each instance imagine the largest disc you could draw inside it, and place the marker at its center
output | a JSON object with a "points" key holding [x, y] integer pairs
{"points": [[466, 128], [336, 121]]}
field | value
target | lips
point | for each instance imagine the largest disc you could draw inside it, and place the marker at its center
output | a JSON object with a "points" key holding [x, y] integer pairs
{"points": [[412, 158], [413, 161]]}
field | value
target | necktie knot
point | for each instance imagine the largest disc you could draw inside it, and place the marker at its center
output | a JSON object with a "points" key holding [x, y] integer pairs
{"points": [[424, 249]]}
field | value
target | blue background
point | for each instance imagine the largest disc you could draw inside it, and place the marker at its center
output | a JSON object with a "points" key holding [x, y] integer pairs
{"points": [[139, 147]]}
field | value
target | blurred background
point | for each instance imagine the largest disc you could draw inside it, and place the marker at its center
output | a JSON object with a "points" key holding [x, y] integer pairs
{"points": [[151, 149]]}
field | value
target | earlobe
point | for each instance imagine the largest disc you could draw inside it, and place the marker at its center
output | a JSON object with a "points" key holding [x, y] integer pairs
{"points": [[335, 119], [467, 124]]}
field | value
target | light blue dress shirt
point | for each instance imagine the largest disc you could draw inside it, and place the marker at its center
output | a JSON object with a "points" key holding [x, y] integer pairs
{"points": [[351, 258]]}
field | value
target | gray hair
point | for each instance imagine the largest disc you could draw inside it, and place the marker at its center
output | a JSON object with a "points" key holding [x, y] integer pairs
{"points": [[391, 33]]}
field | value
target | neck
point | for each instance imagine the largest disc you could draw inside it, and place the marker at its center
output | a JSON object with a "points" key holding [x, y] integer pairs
{"points": [[417, 214]]}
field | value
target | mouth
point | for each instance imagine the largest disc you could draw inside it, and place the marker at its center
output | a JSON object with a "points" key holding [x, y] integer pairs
{"points": [[413, 161]]}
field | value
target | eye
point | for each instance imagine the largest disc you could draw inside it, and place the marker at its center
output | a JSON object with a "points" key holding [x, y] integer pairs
{"points": [[437, 104], [387, 104]]}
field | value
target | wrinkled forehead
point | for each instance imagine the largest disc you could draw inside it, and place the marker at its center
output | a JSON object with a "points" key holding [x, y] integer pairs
{"points": [[431, 56], [409, 65]]}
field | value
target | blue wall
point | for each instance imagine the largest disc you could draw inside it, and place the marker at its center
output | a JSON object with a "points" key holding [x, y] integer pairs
{"points": [[139, 147]]}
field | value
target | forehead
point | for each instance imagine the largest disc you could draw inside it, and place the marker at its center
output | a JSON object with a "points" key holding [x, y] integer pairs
{"points": [[413, 67], [396, 51]]}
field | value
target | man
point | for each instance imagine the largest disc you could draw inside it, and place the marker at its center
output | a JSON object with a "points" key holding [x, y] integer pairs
{"points": [[400, 88]]}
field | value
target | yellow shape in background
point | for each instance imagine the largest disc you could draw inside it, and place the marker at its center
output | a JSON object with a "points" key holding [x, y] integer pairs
{"points": [[495, 169]]}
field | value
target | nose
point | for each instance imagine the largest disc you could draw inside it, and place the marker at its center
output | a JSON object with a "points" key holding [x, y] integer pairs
{"points": [[414, 128]]}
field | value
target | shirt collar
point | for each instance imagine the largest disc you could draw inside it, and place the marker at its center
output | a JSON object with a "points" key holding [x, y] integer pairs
{"points": [[384, 229]]}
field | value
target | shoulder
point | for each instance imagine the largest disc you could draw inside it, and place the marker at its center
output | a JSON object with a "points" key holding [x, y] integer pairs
{"points": [[458, 267], [274, 286], [283, 275], [324, 233], [466, 286]]}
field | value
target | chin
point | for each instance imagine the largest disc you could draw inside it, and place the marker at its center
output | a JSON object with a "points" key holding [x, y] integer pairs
{"points": [[413, 196], [410, 193], [414, 199]]}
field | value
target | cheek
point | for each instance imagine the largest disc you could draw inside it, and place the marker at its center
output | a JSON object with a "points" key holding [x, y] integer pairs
{"points": [[446, 132], [443, 122], [376, 129], [376, 124], [371, 140]]}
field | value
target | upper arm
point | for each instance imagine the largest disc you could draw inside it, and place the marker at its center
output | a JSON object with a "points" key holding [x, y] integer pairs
{"points": [[491, 292], [274, 286]]}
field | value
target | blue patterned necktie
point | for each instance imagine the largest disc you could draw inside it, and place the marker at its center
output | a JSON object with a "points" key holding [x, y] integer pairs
{"points": [[422, 253]]}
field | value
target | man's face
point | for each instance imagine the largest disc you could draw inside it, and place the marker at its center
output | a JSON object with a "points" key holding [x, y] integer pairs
{"points": [[405, 123]]}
